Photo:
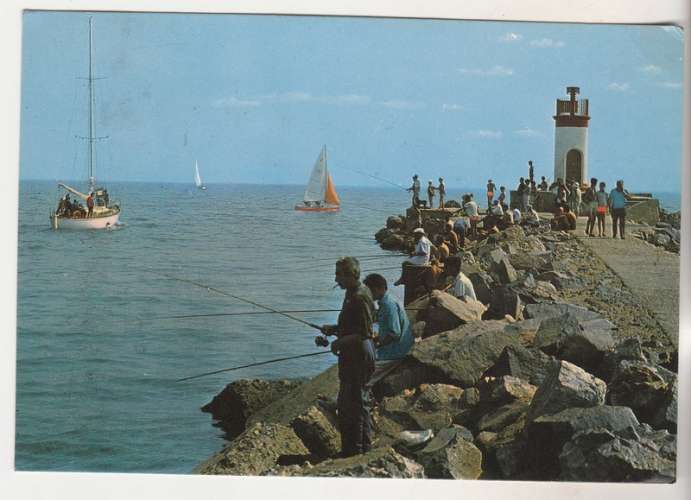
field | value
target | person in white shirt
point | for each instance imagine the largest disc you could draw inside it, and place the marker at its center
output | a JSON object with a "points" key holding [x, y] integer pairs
{"points": [[461, 287], [497, 209], [421, 254], [531, 217], [471, 210], [516, 216]]}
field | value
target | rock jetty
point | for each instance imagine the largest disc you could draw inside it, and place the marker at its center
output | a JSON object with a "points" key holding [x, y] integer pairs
{"points": [[557, 373]]}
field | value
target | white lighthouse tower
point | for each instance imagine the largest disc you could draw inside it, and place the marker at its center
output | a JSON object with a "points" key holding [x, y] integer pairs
{"points": [[571, 138]]}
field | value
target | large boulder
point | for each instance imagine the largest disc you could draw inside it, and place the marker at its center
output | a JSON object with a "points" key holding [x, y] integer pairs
{"points": [[507, 389], [633, 454], [383, 233], [666, 415], [395, 222], [544, 311], [257, 450], [566, 386], [446, 312], [638, 386], [318, 431], [451, 456], [503, 271], [296, 402], [431, 406], [512, 233], [462, 355], [500, 418], [504, 301], [628, 349], [582, 342], [482, 284], [528, 364], [393, 242], [407, 376], [546, 435], [379, 462], [241, 398]]}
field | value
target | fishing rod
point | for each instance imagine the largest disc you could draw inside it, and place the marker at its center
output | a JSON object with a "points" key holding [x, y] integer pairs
{"points": [[221, 292], [375, 177], [253, 364], [250, 313]]}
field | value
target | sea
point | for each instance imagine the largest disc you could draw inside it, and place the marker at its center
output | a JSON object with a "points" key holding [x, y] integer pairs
{"points": [[100, 341]]}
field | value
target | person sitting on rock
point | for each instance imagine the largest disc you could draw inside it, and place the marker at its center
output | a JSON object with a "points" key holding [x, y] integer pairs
{"points": [[517, 216], [450, 238], [394, 337], [571, 218], [531, 217], [459, 284], [460, 227], [442, 251], [422, 253]]}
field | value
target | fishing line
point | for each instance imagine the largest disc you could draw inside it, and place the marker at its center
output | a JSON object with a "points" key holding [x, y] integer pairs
{"points": [[253, 364], [375, 177], [248, 313], [221, 292]]}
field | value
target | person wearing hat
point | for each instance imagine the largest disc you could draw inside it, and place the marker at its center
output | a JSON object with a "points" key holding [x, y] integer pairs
{"points": [[490, 192], [430, 194], [415, 188], [421, 254], [442, 192]]}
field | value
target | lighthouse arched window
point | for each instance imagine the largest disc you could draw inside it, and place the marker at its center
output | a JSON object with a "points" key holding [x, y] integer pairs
{"points": [[574, 166]]}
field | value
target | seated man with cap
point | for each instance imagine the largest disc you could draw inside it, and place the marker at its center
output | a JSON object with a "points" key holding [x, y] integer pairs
{"points": [[421, 254]]}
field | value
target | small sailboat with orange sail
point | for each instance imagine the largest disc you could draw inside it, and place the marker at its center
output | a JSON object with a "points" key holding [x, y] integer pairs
{"points": [[320, 193]]}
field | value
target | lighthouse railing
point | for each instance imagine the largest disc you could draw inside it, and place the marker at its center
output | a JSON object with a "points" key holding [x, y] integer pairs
{"points": [[578, 107]]}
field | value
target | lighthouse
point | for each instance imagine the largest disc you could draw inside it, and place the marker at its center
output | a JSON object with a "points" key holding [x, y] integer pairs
{"points": [[571, 138]]}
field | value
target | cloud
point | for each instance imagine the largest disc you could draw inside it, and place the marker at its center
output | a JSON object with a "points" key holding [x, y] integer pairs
{"points": [[670, 85], [396, 104], [511, 37], [451, 107], [486, 134], [547, 43], [494, 71], [305, 97], [527, 132], [618, 87], [234, 102], [651, 69]]}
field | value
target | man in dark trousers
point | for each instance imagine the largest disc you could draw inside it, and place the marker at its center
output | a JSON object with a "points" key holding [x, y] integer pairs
{"points": [[355, 351]]}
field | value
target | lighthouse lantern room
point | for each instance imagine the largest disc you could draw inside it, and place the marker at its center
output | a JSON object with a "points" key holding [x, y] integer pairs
{"points": [[571, 138]]}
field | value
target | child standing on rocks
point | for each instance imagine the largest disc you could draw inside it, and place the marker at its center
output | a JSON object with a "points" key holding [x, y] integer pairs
{"points": [[602, 201]]}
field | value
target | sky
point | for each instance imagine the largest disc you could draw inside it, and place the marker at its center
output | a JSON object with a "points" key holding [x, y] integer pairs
{"points": [[254, 98]]}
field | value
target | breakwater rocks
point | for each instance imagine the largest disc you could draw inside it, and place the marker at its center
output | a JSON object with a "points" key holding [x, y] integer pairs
{"points": [[559, 373]]}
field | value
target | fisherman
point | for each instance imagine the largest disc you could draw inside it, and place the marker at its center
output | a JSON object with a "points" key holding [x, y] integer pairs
{"points": [[602, 204], [531, 171], [430, 194], [575, 198], [421, 255], [415, 188], [617, 205], [490, 192], [590, 202], [470, 209], [442, 192], [355, 351], [450, 238], [90, 204], [531, 217], [525, 196], [502, 198], [460, 227], [395, 337], [460, 287], [543, 184]]}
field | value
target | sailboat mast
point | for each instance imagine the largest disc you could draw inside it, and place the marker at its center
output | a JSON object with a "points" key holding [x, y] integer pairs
{"points": [[92, 132]]}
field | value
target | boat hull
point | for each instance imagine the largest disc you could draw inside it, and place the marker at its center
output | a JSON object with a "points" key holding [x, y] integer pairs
{"points": [[61, 222], [303, 208]]}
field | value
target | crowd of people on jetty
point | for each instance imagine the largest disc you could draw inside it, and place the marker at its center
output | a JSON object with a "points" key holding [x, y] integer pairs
{"points": [[571, 199]]}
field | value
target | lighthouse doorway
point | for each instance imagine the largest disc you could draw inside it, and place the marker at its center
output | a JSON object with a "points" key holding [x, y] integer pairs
{"points": [[574, 166]]}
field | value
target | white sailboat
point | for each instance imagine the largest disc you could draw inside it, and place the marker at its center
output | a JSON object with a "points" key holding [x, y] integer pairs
{"points": [[98, 212], [197, 178], [320, 193]]}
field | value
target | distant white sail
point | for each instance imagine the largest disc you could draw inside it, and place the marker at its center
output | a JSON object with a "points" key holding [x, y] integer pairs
{"points": [[197, 177], [317, 184]]}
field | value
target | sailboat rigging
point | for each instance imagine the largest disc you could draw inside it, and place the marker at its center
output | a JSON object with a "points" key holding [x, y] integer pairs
{"points": [[320, 193], [99, 212], [197, 178]]}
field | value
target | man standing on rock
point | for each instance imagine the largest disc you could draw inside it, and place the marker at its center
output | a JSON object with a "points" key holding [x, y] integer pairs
{"points": [[590, 201], [442, 192], [415, 188], [617, 204], [355, 352]]}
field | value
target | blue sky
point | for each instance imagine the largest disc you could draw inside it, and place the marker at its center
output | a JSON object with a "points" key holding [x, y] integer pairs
{"points": [[253, 98]]}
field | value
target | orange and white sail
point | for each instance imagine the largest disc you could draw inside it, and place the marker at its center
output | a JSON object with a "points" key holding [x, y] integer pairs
{"points": [[320, 193]]}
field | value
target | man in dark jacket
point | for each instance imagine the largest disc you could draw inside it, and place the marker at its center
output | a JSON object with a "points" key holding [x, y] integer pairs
{"points": [[356, 358]]}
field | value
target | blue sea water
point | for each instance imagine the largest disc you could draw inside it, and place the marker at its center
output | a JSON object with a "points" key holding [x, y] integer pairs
{"points": [[96, 358]]}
